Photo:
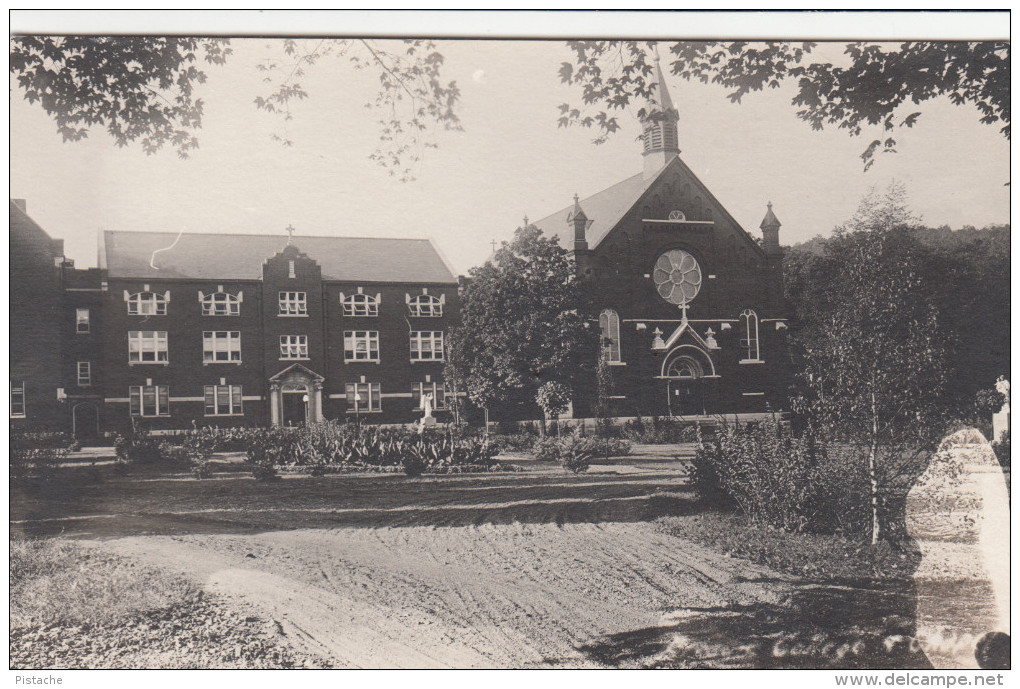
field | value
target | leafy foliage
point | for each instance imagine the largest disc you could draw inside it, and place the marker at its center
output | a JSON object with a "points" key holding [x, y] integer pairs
{"points": [[37, 455], [525, 321], [412, 100], [143, 88], [874, 350], [140, 88], [869, 90], [796, 484]]}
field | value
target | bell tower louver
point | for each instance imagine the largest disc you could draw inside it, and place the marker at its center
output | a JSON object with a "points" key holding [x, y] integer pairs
{"points": [[659, 127]]}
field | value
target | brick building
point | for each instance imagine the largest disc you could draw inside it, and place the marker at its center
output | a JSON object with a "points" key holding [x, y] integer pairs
{"points": [[692, 317], [212, 329]]}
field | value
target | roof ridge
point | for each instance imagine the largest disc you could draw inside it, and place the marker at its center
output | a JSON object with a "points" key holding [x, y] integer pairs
{"points": [[256, 234]]}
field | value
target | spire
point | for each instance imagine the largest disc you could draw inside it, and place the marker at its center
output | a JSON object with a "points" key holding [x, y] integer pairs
{"points": [[770, 233], [770, 219], [580, 222], [659, 126]]}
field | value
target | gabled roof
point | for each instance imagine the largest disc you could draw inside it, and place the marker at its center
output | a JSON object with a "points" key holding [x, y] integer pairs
{"points": [[240, 256], [605, 209]]}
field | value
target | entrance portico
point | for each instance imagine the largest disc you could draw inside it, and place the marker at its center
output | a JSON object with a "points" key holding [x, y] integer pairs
{"points": [[295, 396]]}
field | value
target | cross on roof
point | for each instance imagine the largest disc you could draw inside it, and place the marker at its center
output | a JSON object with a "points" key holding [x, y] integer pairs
{"points": [[290, 233], [493, 242]]}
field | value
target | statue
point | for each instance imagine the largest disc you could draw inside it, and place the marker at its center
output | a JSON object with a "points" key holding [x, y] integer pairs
{"points": [[428, 419], [1002, 386]]}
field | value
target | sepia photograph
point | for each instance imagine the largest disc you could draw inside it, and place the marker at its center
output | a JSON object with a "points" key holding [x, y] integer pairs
{"points": [[510, 340]]}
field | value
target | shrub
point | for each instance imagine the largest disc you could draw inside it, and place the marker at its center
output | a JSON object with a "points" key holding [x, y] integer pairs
{"points": [[1001, 448], [264, 472], [659, 431], [517, 442], [201, 469], [576, 452], [37, 455], [796, 484], [546, 449]]}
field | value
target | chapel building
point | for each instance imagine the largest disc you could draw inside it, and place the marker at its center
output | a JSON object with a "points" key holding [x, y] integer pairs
{"points": [[692, 319]]}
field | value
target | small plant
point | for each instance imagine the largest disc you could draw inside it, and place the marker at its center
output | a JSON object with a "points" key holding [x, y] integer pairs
{"points": [[414, 465], [201, 469], [547, 450], [264, 472], [576, 452]]}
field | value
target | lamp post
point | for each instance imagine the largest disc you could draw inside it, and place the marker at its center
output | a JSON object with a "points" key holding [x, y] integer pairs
{"points": [[304, 398]]}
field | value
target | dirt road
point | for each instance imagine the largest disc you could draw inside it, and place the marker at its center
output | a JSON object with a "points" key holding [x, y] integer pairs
{"points": [[490, 595]]}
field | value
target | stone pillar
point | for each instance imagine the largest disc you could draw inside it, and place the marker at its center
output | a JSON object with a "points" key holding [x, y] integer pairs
{"points": [[1000, 424], [316, 411], [274, 404]]}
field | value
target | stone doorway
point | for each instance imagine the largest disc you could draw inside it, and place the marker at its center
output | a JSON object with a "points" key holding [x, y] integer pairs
{"points": [[295, 396]]}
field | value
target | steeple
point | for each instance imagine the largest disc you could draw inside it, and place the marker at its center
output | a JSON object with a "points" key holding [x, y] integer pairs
{"points": [[770, 233], [659, 126]]}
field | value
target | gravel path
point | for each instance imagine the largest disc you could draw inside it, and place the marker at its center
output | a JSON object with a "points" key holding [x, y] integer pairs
{"points": [[510, 595]]}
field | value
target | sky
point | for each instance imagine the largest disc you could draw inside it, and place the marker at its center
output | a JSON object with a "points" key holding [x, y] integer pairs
{"points": [[511, 160]]}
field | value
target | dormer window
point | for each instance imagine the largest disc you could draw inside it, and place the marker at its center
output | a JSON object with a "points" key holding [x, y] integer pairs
{"points": [[426, 306], [360, 304], [146, 303], [220, 304]]}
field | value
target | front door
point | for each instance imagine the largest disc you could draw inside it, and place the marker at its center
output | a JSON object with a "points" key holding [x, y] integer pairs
{"points": [[684, 391], [293, 408], [686, 397]]}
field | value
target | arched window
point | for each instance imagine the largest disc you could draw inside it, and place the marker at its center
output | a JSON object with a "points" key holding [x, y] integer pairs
{"points": [[220, 304], [360, 305], [749, 341], [425, 306], [609, 335], [146, 303]]}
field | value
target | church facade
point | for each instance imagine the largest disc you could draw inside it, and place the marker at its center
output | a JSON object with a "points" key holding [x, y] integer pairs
{"points": [[692, 318]]}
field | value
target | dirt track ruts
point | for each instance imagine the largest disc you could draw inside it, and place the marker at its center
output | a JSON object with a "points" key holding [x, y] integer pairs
{"points": [[512, 595]]}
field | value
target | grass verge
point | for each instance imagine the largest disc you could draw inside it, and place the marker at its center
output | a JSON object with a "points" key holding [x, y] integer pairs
{"points": [[813, 556], [75, 606]]}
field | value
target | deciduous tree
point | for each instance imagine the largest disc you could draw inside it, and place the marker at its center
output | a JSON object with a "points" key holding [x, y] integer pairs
{"points": [[143, 88], [525, 321], [879, 85]]}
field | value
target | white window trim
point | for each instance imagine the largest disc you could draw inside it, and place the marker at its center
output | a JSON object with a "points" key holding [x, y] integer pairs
{"points": [[748, 316], [24, 400], [297, 344], [88, 374], [434, 305], [232, 337], [299, 299], [165, 350], [230, 398], [78, 321], [606, 351], [350, 302], [430, 387], [417, 335], [374, 395], [141, 401], [137, 299], [371, 337], [232, 301]]}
